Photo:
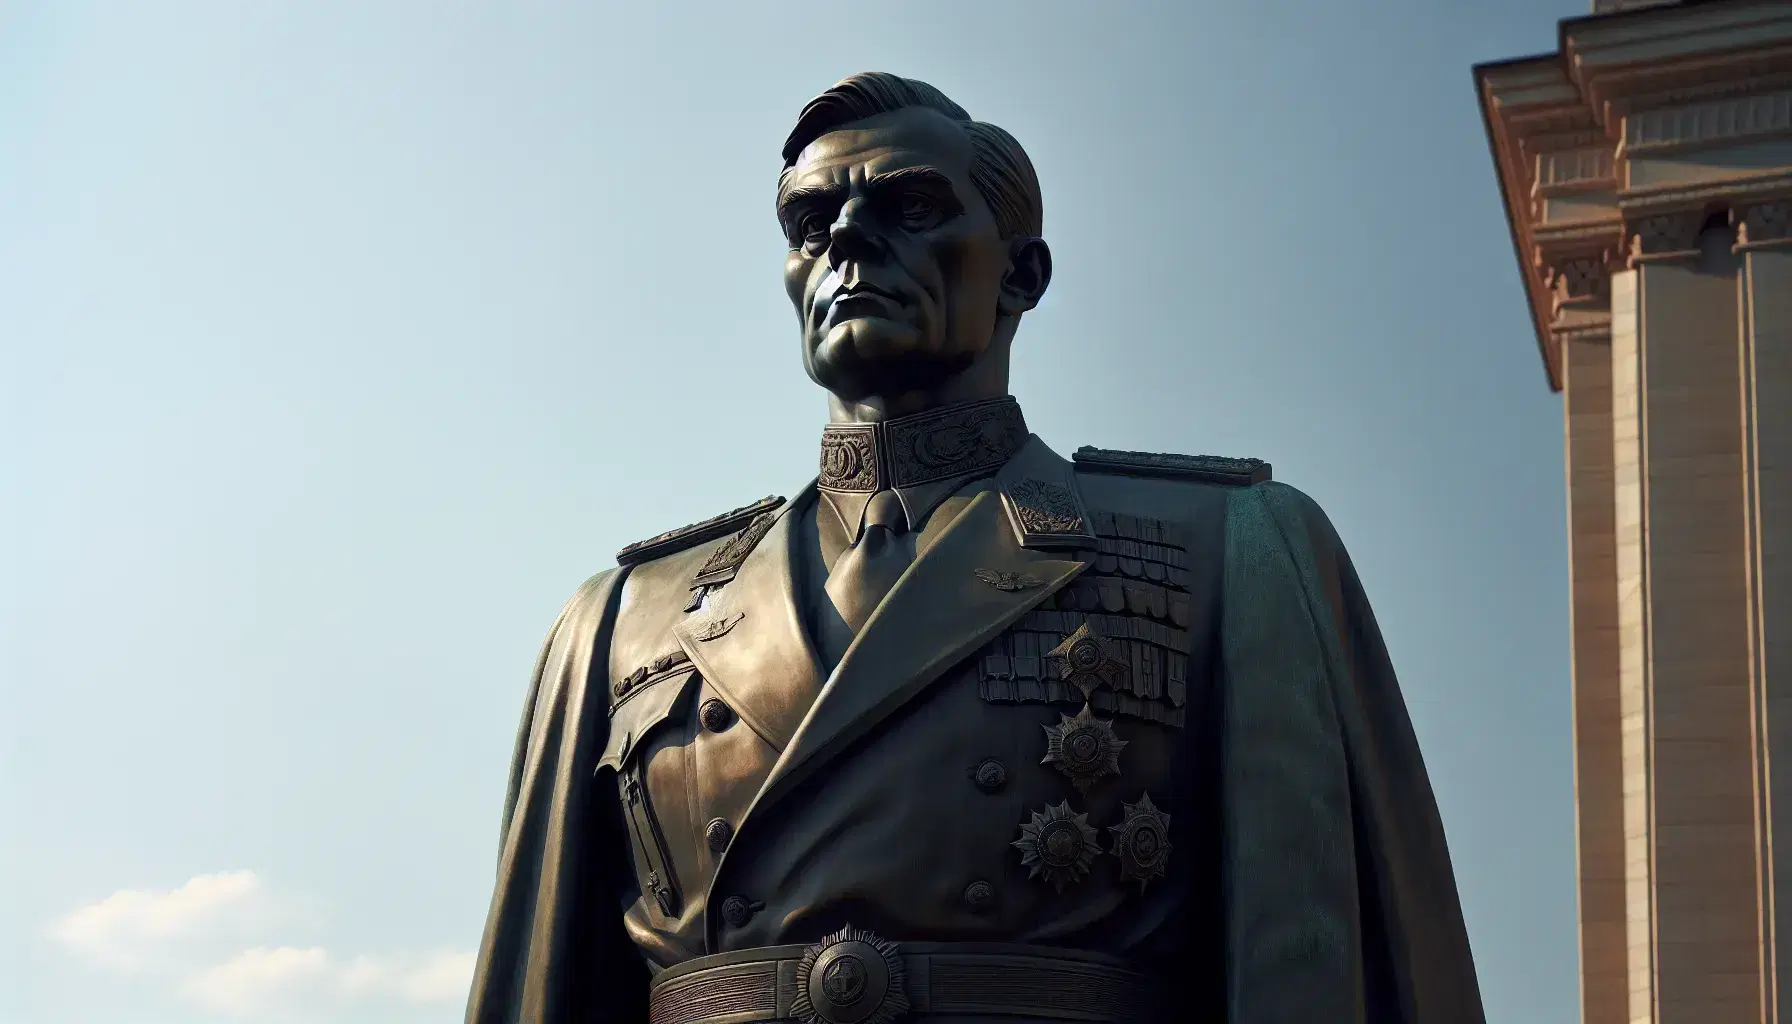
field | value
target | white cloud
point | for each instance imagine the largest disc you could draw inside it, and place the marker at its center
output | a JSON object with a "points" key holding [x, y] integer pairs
{"points": [[208, 941], [131, 929], [441, 977], [261, 980]]}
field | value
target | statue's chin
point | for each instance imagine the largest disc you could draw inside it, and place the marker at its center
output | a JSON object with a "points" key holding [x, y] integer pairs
{"points": [[866, 356], [869, 339]]}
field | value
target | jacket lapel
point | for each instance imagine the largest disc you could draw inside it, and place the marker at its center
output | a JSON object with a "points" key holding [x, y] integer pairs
{"points": [[748, 638], [974, 581]]}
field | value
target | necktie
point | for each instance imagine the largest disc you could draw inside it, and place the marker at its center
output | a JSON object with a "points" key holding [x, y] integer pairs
{"points": [[866, 571]]}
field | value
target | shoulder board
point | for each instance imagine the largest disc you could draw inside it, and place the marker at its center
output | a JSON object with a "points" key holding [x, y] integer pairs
{"points": [[696, 533], [1213, 469]]}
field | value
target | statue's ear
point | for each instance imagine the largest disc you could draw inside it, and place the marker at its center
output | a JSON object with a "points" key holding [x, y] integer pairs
{"points": [[1029, 273]]}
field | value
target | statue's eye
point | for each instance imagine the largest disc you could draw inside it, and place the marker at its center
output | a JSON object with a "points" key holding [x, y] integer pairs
{"points": [[916, 207], [812, 229]]}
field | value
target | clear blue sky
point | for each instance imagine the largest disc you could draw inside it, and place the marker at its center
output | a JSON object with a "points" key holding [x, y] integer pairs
{"points": [[342, 340]]}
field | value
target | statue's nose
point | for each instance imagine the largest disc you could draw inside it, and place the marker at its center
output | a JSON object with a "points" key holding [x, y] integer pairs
{"points": [[852, 238]]}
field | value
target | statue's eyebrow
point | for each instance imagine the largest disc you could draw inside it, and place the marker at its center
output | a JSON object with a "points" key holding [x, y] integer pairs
{"points": [[920, 175], [831, 192]]}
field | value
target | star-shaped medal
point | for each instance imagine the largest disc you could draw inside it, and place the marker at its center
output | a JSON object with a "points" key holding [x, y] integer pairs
{"points": [[1083, 747], [1087, 660], [1058, 844], [1142, 842]]}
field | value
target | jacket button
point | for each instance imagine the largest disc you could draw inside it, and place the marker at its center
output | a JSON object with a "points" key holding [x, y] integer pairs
{"points": [[979, 897], [738, 910], [716, 714], [718, 833], [990, 775]]}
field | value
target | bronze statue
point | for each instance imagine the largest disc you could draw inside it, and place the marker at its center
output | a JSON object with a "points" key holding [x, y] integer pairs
{"points": [[966, 731]]}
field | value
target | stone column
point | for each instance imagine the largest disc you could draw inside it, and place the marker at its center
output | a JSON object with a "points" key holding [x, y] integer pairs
{"points": [[1691, 761], [1764, 245], [1635, 801], [1587, 389]]}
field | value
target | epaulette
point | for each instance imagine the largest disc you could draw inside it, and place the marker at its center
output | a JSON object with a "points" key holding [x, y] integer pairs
{"points": [[696, 533], [1212, 469]]}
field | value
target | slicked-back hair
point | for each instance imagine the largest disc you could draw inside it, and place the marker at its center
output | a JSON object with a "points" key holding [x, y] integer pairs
{"points": [[1000, 170]]}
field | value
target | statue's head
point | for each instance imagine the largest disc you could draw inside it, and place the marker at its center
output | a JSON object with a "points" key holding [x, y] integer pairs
{"points": [[914, 239]]}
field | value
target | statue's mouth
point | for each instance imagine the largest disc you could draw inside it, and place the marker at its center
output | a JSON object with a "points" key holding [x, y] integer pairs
{"points": [[862, 300], [862, 289]]}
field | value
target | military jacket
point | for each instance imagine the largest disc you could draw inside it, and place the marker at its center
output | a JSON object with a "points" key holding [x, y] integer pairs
{"points": [[1134, 705]]}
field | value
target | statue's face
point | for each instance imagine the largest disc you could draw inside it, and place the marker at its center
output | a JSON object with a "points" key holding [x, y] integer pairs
{"points": [[896, 265]]}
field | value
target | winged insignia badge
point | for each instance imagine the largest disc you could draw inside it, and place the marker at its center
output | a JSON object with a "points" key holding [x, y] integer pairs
{"points": [[1009, 581]]}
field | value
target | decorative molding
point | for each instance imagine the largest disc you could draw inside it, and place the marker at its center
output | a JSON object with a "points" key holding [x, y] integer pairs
{"points": [[1556, 120], [1564, 127], [1653, 86], [1578, 139], [1763, 225], [1577, 234], [1665, 236], [1590, 334], [1739, 191], [1671, 129], [1643, 57], [1573, 170], [1578, 279], [1574, 263]]}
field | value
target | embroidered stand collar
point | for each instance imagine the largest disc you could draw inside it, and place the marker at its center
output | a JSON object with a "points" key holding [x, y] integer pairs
{"points": [[924, 456], [922, 448]]}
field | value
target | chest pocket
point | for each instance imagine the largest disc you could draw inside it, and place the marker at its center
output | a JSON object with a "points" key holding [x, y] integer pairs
{"points": [[650, 706], [1117, 636]]}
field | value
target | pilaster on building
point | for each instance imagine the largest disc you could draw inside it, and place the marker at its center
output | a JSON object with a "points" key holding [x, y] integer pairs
{"points": [[1646, 167]]}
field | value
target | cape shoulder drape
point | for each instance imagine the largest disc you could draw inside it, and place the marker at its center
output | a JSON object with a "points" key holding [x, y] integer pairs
{"points": [[1342, 905], [554, 951]]}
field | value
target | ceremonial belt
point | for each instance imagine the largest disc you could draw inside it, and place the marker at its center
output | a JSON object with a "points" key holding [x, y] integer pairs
{"points": [[854, 977]]}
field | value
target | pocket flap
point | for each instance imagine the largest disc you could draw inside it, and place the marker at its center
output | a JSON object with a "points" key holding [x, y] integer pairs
{"points": [[642, 711]]}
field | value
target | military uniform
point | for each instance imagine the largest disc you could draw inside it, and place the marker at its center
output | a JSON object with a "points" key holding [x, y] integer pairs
{"points": [[1119, 743]]}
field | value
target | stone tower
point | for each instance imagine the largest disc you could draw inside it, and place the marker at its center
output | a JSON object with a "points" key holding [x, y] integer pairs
{"points": [[1646, 167]]}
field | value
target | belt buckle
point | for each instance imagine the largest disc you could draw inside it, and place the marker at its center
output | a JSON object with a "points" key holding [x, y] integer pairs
{"points": [[850, 977]]}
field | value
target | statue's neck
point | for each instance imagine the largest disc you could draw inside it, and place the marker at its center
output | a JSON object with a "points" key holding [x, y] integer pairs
{"points": [[881, 409], [985, 379]]}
